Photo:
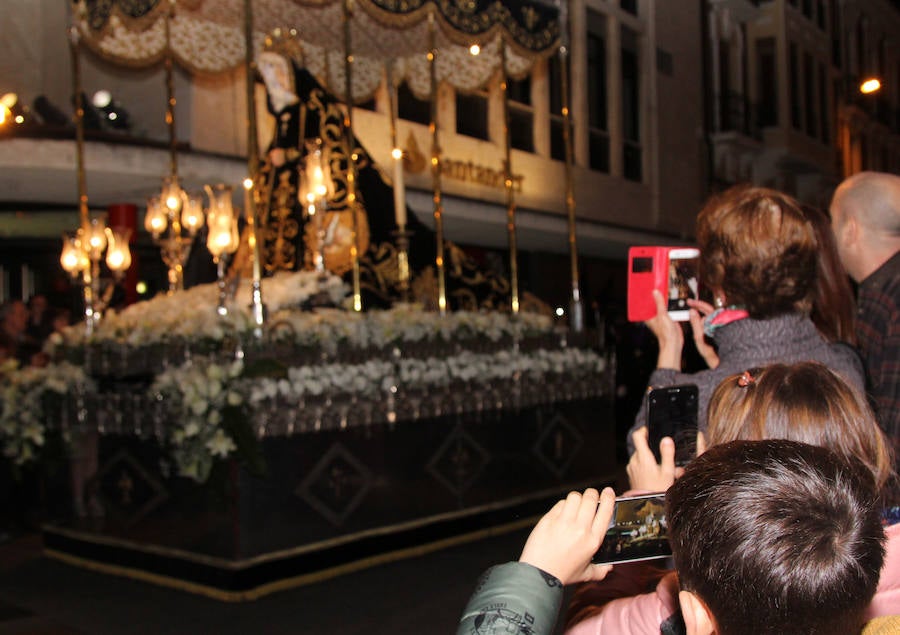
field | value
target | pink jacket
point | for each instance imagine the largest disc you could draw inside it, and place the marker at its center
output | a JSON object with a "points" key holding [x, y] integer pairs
{"points": [[642, 614], [887, 596]]}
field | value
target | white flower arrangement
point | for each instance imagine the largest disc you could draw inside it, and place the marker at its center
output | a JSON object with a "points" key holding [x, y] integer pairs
{"points": [[29, 397], [378, 363], [204, 402], [191, 314], [197, 395], [197, 392]]}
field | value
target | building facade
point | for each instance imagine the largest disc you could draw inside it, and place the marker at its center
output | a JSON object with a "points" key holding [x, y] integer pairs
{"points": [[669, 101], [784, 84]]}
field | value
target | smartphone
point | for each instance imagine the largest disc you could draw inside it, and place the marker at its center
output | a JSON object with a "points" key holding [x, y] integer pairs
{"points": [[673, 271], [672, 412], [637, 531]]}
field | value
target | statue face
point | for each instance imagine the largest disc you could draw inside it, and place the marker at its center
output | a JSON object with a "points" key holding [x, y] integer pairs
{"points": [[277, 74]]}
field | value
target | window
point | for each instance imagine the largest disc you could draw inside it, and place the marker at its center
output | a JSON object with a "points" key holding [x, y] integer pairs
{"points": [[631, 105], [794, 69], [836, 36], [664, 63], [861, 65], [825, 129], [820, 14], [768, 88], [808, 9], [557, 143], [521, 114], [724, 96], [629, 5], [809, 96], [472, 114], [598, 130], [412, 108]]}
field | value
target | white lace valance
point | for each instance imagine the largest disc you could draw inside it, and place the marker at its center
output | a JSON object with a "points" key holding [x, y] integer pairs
{"points": [[207, 36]]}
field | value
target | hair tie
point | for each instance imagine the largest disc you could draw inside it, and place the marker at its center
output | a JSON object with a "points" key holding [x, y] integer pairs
{"points": [[746, 379]]}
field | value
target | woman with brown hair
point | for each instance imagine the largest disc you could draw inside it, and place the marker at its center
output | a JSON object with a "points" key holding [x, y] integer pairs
{"points": [[834, 307], [760, 258]]}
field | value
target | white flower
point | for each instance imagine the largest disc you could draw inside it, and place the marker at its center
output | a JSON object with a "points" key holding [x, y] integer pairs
{"points": [[213, 390], [221, 444], [33, 433], [199, 406]]}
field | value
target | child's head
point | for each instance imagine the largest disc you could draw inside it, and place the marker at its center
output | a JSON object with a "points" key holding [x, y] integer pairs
{"points": [[775, 536], [804, 402]]}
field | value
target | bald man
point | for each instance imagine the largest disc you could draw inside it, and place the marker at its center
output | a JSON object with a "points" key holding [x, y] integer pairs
{"points": [[865, 217]]}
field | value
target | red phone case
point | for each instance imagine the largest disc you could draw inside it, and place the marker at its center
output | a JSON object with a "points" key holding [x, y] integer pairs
{"points": [[642, 282]]}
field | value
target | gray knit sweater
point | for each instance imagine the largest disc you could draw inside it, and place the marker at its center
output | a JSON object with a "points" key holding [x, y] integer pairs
{"points": [[751, 343]]}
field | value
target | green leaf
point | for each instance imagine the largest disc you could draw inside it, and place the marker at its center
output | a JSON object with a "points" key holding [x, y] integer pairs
{"points": [[236, 423]]}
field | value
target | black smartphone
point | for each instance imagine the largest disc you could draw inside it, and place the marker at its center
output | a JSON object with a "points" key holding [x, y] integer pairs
{"points": [[672, 412], [637, 531]]}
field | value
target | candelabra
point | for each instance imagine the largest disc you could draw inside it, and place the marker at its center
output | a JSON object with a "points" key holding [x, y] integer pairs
{"points": [[81, 255], [173, 219], [222, 238]]}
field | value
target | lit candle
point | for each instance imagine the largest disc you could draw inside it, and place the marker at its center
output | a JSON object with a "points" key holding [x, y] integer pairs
{"points": [[399, 189], [251, 234]]}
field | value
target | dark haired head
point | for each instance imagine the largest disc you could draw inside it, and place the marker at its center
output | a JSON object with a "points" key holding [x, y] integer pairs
{"points": [[759, 249], [777, 536]]}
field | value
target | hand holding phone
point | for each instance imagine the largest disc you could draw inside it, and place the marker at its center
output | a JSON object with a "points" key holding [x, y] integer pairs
{"points": [[645, 472], [673, 271], [637, 531], [672, 411], [566, 537]]}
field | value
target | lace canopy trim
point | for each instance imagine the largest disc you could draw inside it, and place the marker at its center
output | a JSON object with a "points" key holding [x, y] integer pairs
{"points": [[207, 36]]}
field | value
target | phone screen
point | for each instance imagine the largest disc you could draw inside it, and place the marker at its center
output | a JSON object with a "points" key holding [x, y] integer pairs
{"points": [[683, 281], [637, 531], [672, 412]]}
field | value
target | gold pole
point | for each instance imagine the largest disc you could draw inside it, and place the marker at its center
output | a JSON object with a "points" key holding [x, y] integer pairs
{"points": [[436, 170], [351, 158], [170, 99], [576, 308], [83, 212], [176, 273], [257, 308], [399, 199], [510, 195], [78, 94]]}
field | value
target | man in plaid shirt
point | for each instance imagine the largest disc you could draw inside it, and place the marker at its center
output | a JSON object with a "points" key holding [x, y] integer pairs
{"points": [[865, 217]]}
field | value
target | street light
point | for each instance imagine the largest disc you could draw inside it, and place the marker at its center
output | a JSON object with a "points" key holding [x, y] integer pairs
{"points": [[869, 86]]}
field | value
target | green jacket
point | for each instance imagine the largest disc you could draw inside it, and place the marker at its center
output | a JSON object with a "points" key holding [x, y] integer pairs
{"points": [[513, 598]]}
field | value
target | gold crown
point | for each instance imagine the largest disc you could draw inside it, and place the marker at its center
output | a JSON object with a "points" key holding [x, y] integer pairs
{"points": [[285, 42]]}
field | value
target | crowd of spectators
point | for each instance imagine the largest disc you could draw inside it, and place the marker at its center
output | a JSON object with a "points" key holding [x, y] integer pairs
{"points": [[788, 520], [25, 327]]}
